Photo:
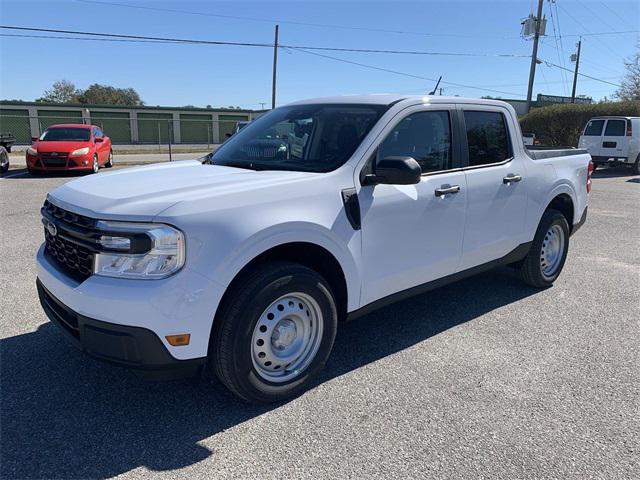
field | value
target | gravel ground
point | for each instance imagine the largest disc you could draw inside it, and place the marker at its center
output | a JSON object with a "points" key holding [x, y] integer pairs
{"points": [[486, 378]]}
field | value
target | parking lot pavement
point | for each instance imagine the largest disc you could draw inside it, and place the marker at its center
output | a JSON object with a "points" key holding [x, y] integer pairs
{"points": [[486, 378]]}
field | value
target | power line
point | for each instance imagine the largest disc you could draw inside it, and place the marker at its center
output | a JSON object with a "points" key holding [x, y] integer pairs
{"points": [[252, 44], [581, 74], [319, 25], [559, 47], [279, 20], [396, 72]]}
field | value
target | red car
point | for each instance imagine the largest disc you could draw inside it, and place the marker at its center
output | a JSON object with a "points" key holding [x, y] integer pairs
{"points": [[70, 147]]}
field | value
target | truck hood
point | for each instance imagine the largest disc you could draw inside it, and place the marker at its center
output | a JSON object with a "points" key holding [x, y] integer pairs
{"points": [[141, 193]]}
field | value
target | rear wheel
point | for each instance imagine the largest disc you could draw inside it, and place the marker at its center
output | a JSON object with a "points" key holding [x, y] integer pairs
{"points": [[95, 166], [4, 160], [109, 163], [274, 333], [548, 252], [636, 166]]}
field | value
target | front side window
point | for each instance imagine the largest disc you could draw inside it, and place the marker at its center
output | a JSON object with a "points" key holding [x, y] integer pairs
{"points": [[615, 128], [425, 136], [62, 134], [487, 137], [594, 128], [308, 138]]}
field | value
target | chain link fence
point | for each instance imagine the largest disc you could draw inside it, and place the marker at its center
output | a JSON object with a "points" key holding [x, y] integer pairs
{"points": [[126, 129]]}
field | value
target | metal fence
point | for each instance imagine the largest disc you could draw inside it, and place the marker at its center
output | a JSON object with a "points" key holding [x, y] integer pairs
{"points": [[125, 129]]}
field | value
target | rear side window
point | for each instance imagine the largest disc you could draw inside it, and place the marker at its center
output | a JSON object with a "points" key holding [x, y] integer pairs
{"points": [[487, 137], [425, 136], [615, 128], [594, 128]]}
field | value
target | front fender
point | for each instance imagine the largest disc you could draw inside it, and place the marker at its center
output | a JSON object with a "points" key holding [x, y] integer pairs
{"points": [[278, 235]]}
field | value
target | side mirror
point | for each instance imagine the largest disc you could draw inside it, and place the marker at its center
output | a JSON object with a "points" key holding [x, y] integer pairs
{"points": [[34, 139], [99, 139], [395, 171]]}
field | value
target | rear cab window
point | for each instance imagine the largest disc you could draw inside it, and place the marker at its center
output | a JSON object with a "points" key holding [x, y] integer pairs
{"points": [[594, 128], [487, 137], [615, 128]]}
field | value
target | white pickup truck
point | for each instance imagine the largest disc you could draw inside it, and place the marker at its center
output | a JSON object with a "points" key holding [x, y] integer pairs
{"points": [[244, 263]]}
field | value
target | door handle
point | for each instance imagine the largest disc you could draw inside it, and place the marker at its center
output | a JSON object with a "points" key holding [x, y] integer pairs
{"points": [[511, 178], [444, 189]]}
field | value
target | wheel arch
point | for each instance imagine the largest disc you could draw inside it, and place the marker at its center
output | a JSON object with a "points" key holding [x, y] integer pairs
{"points": [[564, 203], [311, 255]]}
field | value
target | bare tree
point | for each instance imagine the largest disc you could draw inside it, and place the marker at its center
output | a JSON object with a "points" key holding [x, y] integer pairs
{"points": [[630, 85]]}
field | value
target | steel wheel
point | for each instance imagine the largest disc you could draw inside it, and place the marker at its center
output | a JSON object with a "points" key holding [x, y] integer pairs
{"points": [[286, 337], [552, 251]]}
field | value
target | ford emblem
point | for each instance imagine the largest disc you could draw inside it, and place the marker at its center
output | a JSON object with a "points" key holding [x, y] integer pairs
{"points": [[52, 229]]}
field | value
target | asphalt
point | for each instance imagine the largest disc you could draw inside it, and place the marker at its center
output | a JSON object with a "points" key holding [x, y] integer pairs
{"points": [[486, 378]]}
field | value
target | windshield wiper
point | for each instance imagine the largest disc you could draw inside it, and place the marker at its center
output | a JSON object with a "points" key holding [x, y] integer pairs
{"points": [[238, 164]]}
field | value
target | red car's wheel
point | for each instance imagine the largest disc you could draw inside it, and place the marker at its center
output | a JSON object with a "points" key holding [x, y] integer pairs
{"points": [[95, 166]]}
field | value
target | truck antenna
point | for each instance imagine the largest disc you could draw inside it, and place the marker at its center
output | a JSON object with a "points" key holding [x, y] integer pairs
{"points": [[433, 92]]}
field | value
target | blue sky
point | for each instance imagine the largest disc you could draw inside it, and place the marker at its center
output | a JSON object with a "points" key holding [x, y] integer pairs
{"points": [[174, 75]]}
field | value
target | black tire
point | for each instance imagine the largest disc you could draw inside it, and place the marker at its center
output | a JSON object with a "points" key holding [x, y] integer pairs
{"points": [[636, 166], [109, 163], [532, 269], [95, 165], [231, 345], [4, 160]]}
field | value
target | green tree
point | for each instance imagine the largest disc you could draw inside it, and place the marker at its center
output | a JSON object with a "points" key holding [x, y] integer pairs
{"points": [[62, 91], [107, 95], [630, 85]]}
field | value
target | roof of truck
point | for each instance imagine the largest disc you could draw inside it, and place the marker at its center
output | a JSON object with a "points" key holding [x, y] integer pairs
{"points": [[387, 98]]}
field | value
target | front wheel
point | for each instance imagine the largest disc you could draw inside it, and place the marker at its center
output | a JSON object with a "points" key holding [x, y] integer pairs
{"points": [[4, 160], [548, 251], [274, 333], [109, 163], [95, 166], [636, 166]]}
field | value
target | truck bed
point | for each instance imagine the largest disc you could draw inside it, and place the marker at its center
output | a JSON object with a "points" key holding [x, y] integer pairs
{"points": [[542, 153]]}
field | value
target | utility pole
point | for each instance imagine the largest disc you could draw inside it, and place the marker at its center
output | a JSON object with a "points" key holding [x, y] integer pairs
{"points": [[275, 67], [575, 73], [534, 55]]}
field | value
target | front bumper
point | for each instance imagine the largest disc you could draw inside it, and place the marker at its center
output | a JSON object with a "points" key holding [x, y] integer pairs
{"points": [[71, 164], [133, 347], [182, 303]]}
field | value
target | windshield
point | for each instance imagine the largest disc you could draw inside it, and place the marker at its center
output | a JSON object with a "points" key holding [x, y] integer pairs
{"points": [[67, 133], [307, 138]]}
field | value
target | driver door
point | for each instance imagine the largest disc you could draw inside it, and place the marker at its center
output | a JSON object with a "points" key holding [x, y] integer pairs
{"points": [[412, 234]]}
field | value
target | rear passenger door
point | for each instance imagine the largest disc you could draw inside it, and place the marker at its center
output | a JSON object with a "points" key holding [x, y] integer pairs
{"points": [[614, 140], [496, 185]]}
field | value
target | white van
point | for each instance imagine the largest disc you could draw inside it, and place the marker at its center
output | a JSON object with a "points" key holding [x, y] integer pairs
{"points": [[613, 140]]}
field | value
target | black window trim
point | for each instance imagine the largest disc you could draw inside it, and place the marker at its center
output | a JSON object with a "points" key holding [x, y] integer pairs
{"points": [[465, 144]]}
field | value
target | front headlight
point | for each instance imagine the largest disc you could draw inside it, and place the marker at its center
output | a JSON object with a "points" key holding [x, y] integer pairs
{"points": [[163, 250], [32, 151], [80, 151]]}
